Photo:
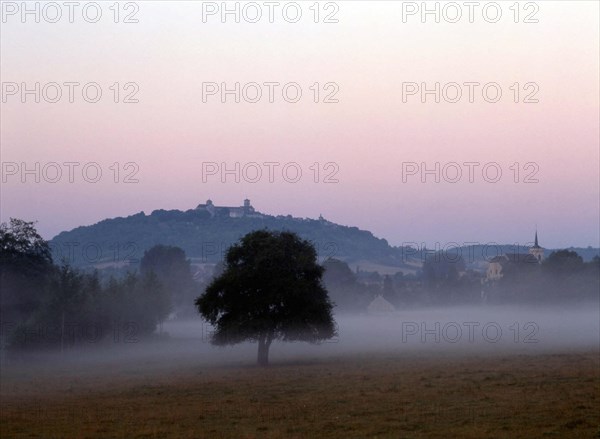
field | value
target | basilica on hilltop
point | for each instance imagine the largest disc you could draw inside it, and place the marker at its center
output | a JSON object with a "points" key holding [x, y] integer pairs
{"points": [[233, 212]]}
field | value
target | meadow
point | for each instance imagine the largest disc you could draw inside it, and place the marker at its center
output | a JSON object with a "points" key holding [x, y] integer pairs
{"points": [[392, 376], [427, 395]]}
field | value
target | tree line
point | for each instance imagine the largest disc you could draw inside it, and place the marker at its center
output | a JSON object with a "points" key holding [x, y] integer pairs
{"points": [[562, 277], [49, 305]]}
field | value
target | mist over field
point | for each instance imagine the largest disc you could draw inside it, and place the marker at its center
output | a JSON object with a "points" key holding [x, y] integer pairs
{"points": [[452, 331], [457, 330]]}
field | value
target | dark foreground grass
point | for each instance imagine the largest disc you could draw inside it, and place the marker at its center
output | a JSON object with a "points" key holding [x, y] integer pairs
{"points": [[434, 396]]}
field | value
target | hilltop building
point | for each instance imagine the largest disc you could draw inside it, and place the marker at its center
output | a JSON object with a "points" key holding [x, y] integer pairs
{"points": [[233, 212]]}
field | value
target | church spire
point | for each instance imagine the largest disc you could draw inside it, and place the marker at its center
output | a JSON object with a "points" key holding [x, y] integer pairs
{"points": [[536, 250]]}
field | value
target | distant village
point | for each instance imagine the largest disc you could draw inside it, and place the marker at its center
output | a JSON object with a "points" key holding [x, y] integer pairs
{"points": [[496, 264], [399, 287]]}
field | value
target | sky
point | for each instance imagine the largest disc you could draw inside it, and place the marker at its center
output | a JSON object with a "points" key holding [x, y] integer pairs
{"points": [[357, 136]]}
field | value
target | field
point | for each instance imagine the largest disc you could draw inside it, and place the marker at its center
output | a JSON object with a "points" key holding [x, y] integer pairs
{"points": [[416, 395]]}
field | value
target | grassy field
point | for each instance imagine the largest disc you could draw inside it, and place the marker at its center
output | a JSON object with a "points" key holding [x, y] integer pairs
{"points": [[376, 396]]}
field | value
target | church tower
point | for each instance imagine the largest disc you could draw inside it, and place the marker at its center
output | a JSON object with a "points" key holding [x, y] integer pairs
{"points": [[536, 250]]}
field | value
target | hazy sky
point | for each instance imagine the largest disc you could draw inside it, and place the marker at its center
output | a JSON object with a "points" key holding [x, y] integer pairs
{"points": [[367, 138]]}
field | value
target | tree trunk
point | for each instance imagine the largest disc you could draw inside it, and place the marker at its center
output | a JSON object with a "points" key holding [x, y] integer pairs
{"points": [[62, 333], [264, 342]]}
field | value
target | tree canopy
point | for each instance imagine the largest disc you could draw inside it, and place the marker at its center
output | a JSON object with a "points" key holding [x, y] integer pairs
{"points": [[25, 263], [270, 289], [343, 287], [563, 262], [173, 270]]}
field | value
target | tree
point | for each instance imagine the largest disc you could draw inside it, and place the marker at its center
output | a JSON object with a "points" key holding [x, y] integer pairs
{"points": [[157, 302], [388, 291], [21, 238], [66, 298], [563, 262], [270, 289], [174, 272], [25, 265], [342, 285], [142, 302], [338, 273]]}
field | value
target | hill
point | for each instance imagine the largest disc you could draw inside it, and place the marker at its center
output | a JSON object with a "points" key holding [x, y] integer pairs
{"points": [[120, 242], [206, 232]]}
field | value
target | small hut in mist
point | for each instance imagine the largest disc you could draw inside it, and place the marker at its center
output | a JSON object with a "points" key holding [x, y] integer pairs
{"points": [[380, 305]]}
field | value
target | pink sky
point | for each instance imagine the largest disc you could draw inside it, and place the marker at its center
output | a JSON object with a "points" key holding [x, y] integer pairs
{"points": [[369, 133]]}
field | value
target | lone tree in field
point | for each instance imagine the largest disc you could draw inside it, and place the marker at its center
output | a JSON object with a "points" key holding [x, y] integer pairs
{"points": [[270, 289]]}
